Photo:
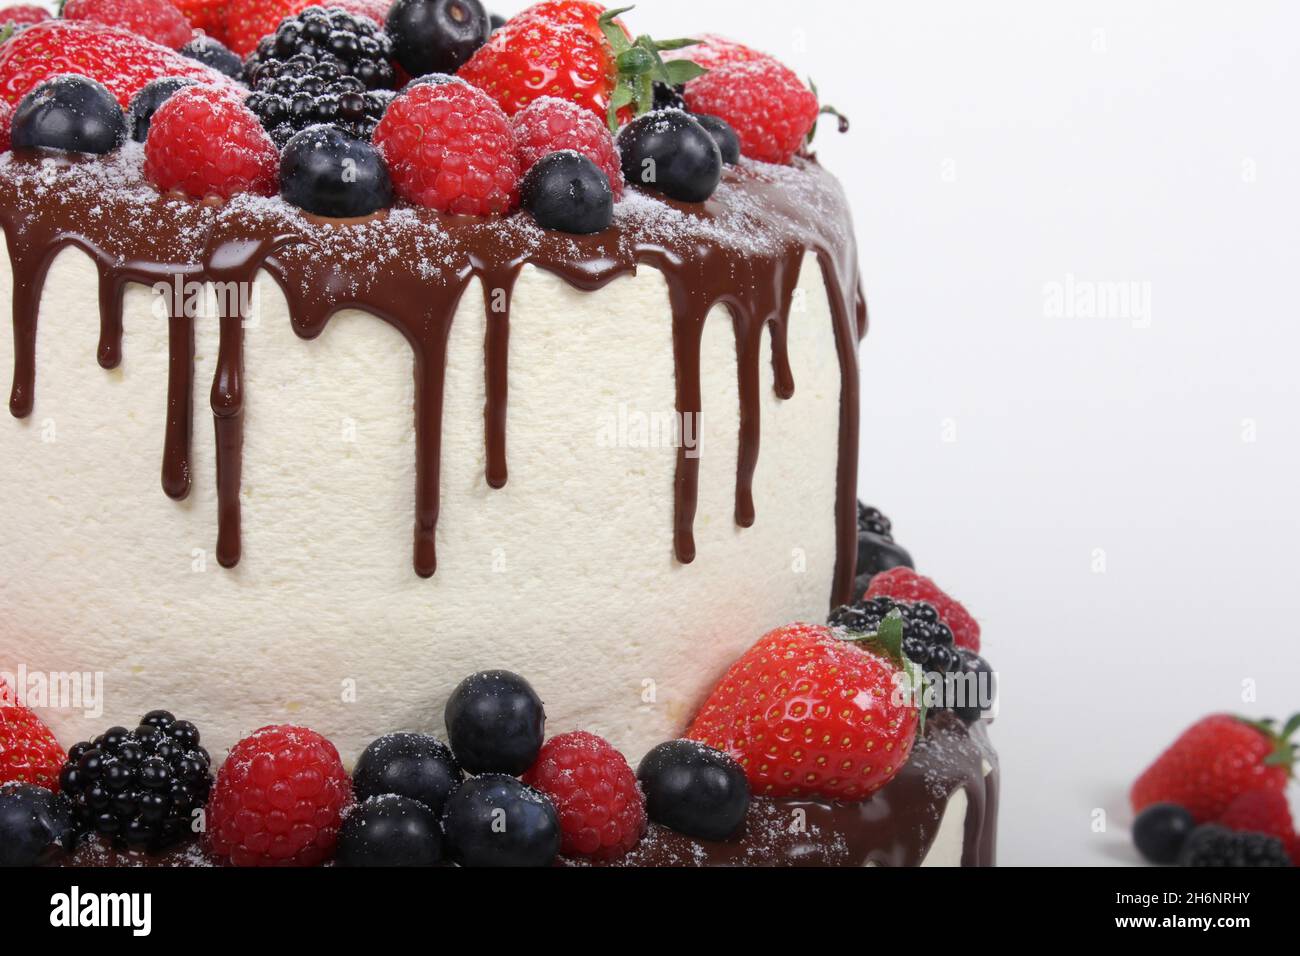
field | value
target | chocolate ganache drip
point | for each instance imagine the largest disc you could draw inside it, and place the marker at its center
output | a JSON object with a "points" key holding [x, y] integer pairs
{"points": [[742, 250]]}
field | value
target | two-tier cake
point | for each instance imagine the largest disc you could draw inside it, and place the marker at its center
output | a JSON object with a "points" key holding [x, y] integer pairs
{"points": [[311, 421]]}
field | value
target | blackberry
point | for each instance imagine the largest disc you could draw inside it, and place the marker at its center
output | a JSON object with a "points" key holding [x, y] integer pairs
{"points": [[321, 66], [873, 520], [1213, 845], [669, 97], [926, 639], [139, 788], [877, 550]]}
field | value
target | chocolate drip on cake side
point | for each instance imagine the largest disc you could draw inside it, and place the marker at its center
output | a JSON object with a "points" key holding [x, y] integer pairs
{"points": [[165, 240]]}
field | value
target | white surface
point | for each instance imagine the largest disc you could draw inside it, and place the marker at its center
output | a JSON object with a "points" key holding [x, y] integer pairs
{"points": [[566, 575]]}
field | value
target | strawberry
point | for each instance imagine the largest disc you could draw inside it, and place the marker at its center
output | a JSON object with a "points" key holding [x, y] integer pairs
{"points": [[1214, 761], [904, 584], [764, 101], [247, 21], [582, 14], [115, 57], [1263, 811], [23, 14], [28, 751], [6, 122], [713, 51], [156, 20], [807, 713], [206, 15]]}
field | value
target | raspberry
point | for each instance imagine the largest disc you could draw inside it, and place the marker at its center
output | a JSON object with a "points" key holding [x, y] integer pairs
{"points": [[205, 142], [156, 20], [279, 800], [28, 751], [449, 147], [601, 807], [549, 125], [6, 120], [765, 102], [904, 584]]}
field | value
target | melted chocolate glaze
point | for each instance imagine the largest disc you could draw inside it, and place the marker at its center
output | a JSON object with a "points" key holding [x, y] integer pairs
{"points": [[743, 250]]}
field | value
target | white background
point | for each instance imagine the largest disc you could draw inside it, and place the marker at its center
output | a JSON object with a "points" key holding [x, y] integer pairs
{"points": [[1000, 147]]}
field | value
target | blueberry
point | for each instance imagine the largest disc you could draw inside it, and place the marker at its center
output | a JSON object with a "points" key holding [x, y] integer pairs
{"points": [[978, 680], [1160, 831], [496, 21], [436, 36], [71, 113], [722, 133], [877, 554], [389, 830], [325, 171], [433, 79], [409, 765], [694, 789], [495, 721], [495, 820], [34, 824], [213, 53], [671, 153], [568, 192]]}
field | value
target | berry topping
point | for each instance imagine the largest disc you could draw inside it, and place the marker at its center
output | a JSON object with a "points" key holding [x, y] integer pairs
{"points": [[436, 36], [808, 714], [143, 788], [495, 820], [206, 15], [23, 14], [1160, 831], [35, 825], [156, 20], [205, 142], [322, 66], [602, 812], [213, 53], [145, 103], [1263, 811], [495, 721], [28, 751], [117, 58], [449, 147], [904, 584], [582, 14], [71, 113], [694, 789], [765, 102], [671, 153], [1214, 761], [926, 639], [566, 191], [723, 135], [409, 765], [325, 171], [1213, 845], [279, 800], [389, 830], [549, 125], [876, 548]]}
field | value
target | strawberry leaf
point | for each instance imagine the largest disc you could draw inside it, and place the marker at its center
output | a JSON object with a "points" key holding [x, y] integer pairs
{"points": [[681, 72]]}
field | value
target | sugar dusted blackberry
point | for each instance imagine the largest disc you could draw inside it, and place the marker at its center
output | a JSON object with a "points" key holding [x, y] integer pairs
{"points": [[1213, 845], [873, 520], [321, 66], [139, 788], [926, 639]]}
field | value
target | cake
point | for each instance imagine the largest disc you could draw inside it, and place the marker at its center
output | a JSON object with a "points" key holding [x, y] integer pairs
{"points": [[329, 466]]}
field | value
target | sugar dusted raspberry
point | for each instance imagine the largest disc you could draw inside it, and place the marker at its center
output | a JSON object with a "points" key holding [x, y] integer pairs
{"points": [[764, 101], [450, 147], [904, 584], [205, 142], [601, 807], [28, 751], [550, 125], [279, 800]]}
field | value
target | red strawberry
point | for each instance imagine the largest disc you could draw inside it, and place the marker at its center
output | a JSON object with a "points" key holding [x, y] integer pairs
{"points": [[23, 14], [904, 584], [534, 58], [1263, 811], [6, 122], [28, 751], [582, 14], [205, 142], [765, 102], [247, 21], [117, 58], [156, 20], [206, 15], [808, 714], [1214, 761], [278, 800], [713, 51], [549, 125], [601, 807], [449, 147]]}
